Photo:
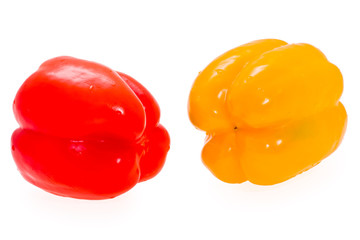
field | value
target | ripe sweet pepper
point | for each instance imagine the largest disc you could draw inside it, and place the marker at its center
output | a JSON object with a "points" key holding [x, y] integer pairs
{"points": [[270, 109], [86, 131]]}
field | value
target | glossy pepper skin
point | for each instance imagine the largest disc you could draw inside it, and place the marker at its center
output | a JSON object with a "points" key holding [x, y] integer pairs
{"points": [[271, 110], [86, 131]]}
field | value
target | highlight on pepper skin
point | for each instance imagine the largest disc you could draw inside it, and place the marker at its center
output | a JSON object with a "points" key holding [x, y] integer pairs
{"points": [[270, 110], [86, 131]]}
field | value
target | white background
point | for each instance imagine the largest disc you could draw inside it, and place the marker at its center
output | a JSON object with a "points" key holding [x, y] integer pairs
{"points": [[164, 44]]}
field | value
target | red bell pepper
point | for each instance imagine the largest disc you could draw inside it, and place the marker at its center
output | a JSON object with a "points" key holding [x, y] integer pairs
{"points": [[86, 131]]}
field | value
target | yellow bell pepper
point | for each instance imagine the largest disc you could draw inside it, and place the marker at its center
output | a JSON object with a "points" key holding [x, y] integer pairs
{"points": [[270, 109]]}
